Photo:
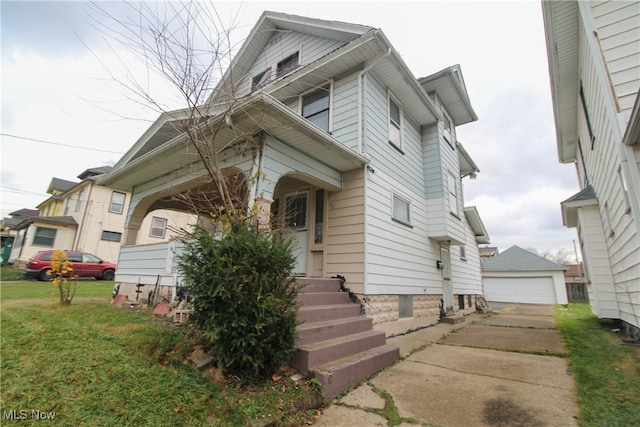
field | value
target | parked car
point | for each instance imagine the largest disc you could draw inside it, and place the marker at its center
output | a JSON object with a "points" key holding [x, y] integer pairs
{"points": [[84, 265]]}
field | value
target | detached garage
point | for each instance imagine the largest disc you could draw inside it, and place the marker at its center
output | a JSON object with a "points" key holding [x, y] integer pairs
{"points": [[517, 275]]}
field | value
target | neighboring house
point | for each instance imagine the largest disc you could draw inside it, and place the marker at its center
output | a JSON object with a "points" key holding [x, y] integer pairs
{"points": [[8, 234], [487, 252], [594, 64], [575, 282], [517, 275], [87, 217], [357, 157]]}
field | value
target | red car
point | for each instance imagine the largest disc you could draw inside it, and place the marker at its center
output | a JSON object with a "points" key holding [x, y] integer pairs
{"points": [[84, 265]]}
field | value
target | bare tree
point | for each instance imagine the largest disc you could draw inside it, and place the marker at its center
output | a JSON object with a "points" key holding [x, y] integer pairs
{"points": [[188, 46], [559, 256]]}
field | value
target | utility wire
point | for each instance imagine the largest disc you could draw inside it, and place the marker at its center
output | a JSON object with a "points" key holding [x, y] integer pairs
{"points": [[57, 143]]}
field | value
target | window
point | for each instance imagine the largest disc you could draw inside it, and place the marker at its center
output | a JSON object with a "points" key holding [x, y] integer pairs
{"points": [[319, 217], [287, 64], [296, 211], [111, 236], [448, 134], [395, 123], [463, 253], [583, 100], [625, 189], [158, 227], [453, 194], [66, 207], [117, 202], [79, 201], [91, 258], [261, 79], [401, 210], [44, 237], [315, 107]]}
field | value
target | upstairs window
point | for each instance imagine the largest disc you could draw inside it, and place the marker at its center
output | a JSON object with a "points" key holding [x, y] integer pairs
{"points": [[111, 236], [395, 123], [453, 194], [158, 227], [261, 79], [448, 134], [117, 202], [315, 107], [79, 201], [287, 64]]}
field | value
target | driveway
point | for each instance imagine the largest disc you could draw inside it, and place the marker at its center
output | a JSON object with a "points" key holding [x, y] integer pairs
{"points": [[502, 369]]}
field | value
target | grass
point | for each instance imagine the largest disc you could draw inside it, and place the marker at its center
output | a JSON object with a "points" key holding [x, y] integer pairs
{"points": [[94, 364], [606, 372], [33, 289], [7, 272]]}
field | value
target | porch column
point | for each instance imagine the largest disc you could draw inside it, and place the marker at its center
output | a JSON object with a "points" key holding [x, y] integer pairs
{"points": [[262, 213]]}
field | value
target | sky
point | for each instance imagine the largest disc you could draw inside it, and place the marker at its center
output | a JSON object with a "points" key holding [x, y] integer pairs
{"points": [[63, 113]]}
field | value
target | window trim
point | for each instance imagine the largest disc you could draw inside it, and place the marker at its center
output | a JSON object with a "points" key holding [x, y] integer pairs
{"points": [[124, 200], [329, 87], [78, 201], [164, 228], [453, 194], [407, 201], [625, 190], [448, 132], [583, 101], [399, 145]]}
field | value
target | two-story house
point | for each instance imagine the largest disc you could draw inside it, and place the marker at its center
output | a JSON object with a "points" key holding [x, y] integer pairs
{"points": [[88, 217], [594, 64], [344, 149]]}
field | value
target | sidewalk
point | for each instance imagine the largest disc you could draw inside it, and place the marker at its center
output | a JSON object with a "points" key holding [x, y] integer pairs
{"points": [[501, 369]]}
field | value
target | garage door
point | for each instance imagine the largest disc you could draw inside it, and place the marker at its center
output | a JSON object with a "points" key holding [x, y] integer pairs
{"points": [[532, 290]]}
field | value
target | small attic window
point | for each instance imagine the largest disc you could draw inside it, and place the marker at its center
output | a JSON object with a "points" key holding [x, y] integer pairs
{"points": [[287, 64], [261, 79]]}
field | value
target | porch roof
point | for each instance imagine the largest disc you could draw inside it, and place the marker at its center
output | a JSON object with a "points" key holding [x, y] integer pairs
{"points": [[479, 230], [164, 149], [585, 197]]}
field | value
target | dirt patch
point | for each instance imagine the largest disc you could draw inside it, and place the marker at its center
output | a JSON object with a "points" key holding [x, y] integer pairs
{"points": [[503, 412]]}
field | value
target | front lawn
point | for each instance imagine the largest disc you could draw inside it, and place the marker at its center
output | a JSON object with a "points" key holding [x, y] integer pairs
{"points": [[94, 364], [33, 289], [606, 372]]}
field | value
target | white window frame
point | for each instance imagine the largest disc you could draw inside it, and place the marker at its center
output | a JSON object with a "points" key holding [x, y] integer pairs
{"points": [[155, 226], [625, 189], [448, 130], [328, 87], [395, 129], [111, 202], [394, 214], [78, 201], [452, 189]]}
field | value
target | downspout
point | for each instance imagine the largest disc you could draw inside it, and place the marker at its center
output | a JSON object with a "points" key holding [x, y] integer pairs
{"points": [[361, 149], [84, 217], [361, 144]]}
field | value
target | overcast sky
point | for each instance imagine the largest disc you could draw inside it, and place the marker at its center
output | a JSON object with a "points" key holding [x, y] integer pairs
{"points": [[57, 96]]}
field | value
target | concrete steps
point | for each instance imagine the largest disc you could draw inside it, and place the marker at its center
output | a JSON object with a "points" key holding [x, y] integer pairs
{"points": [[336, 343]]}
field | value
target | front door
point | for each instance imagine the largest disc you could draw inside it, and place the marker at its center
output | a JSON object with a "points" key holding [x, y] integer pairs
{"points": [[296, 227], [447, 286]]}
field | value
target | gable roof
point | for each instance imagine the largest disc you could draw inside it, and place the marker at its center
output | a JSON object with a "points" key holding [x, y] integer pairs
{"points": [[517, 259], [449, 85], [91, 172], [60, 185], [584, 197]]}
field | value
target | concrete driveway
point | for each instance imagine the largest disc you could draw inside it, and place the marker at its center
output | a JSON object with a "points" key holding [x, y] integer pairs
{"points": [[502, 369]]}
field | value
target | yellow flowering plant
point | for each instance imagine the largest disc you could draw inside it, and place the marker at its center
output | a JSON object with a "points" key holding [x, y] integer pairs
{"points": [[63, 278]]}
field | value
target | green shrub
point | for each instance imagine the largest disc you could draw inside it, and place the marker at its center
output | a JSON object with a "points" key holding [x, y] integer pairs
{"points": [[245, 297]]}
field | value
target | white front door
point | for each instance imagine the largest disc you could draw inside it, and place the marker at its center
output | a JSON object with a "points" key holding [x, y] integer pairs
{"points": [[296, 227], [447, 286]]}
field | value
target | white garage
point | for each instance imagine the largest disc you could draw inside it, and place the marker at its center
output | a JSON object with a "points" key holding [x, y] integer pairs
{"points": [[520, 276]]}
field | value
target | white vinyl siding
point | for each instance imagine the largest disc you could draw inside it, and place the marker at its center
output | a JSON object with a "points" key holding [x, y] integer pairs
{"points": [[282, 45], [400, 260], [345, 115], [602, 163]]}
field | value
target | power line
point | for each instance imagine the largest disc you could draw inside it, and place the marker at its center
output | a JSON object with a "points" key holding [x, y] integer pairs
{"points": [[60, 144], [19, 191]]}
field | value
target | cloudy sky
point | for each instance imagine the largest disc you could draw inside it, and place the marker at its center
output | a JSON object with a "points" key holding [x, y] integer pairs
{"points": [[62, 113]]}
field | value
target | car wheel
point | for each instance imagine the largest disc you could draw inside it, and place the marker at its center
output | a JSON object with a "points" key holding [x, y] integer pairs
{"points": [[108, 275], [46, 275]]}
